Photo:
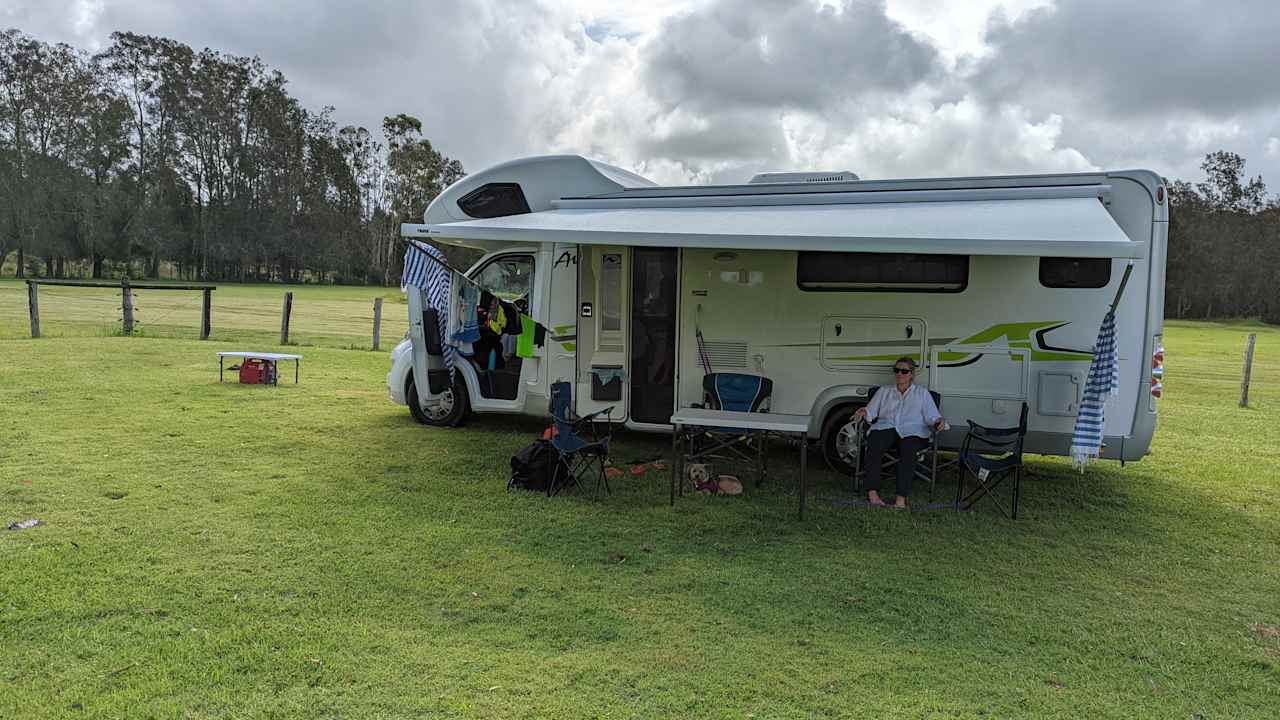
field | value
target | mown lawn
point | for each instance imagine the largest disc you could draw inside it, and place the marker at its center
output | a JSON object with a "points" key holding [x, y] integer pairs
{"points": [[227, 551]]}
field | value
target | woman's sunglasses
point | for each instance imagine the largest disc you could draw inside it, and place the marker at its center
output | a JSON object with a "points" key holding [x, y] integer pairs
{"points": [[902, 371]]}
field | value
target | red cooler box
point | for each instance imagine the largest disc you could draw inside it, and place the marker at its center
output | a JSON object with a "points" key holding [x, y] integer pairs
{"points": [[258, 372]]}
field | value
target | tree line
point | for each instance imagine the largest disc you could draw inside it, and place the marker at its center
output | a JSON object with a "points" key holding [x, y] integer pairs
{"points": [[150, 155], [1224, 245]]}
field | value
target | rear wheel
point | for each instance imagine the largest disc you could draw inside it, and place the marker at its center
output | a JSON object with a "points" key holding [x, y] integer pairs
{"points": [[839, 438], [450, 409]]}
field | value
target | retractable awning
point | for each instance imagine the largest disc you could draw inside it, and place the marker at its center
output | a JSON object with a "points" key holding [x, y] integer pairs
{"points": [[1056, 227]]}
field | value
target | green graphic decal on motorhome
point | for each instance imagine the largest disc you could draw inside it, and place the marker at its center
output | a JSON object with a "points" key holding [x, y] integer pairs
{"points": [[1025, 336], [565, 335]]}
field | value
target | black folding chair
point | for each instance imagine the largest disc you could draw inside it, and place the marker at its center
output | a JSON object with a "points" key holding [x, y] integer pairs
{"points": [[927, 463], [581, 456], [991, 455]]}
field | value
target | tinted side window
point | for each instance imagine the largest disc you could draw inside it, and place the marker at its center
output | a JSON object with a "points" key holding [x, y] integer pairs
{"points": [[1060, 272], [888, 272]]}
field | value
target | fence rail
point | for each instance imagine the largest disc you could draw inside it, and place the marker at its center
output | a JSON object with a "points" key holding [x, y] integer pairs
{"points": [[126, 300], [251, 314]]}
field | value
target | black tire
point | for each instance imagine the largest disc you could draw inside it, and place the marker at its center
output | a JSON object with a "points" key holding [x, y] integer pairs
{"points": [[454, 404], [835, 435]]}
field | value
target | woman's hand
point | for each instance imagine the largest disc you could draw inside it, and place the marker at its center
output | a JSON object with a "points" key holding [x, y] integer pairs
{"points": [[860, 414]]}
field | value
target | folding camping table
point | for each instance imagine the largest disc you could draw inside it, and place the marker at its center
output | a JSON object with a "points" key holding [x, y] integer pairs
{"points": [[273, 357], [688, 420]]}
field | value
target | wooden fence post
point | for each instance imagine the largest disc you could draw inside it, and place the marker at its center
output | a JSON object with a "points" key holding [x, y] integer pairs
{"points": [[206, 314], [1248, 370], [377, 321], [126, 295], [33, 307], [284, 318]]}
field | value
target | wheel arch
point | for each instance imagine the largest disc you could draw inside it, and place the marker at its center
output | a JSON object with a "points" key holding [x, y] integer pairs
{"points": [[833, 399]]}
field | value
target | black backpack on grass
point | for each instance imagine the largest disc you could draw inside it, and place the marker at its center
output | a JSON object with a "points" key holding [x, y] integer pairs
{"points": [[531, 468]]}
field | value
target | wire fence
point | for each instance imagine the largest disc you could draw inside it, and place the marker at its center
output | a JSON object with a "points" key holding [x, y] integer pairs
{"points": [[322, 316]]}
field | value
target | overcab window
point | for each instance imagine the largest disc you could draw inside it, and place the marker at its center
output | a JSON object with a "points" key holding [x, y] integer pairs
{"points": [[881, 272]]}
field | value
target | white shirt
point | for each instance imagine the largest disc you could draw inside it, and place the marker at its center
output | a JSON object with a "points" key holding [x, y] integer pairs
{"points": [[911, 413]]}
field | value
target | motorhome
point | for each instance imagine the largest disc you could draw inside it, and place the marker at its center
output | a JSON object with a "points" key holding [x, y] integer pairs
{"points": [[995, 285]]}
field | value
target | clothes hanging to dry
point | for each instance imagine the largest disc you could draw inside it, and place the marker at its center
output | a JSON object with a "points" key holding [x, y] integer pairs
{"points": [[427, 271]]}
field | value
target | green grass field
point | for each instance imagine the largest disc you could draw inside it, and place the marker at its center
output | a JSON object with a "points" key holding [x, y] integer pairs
{"points": [[224, 551]]}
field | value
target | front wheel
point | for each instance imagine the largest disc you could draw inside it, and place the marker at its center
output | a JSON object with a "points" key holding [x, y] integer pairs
{"points": [[840, 440], [450, 408]]}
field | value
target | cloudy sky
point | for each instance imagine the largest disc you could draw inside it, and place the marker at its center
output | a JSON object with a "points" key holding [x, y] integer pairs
{"points": [[715, 90]]}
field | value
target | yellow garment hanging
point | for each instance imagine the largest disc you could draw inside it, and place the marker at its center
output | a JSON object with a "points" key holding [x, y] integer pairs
{"points": [[497, 320]]}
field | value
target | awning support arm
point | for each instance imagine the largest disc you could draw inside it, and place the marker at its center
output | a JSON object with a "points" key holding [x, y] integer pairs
{"points": [[1128, 270]]}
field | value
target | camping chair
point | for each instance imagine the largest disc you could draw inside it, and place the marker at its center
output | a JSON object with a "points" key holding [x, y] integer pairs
{"points": [[735, 392], [927, 464], [997, 454], [579, 455]]}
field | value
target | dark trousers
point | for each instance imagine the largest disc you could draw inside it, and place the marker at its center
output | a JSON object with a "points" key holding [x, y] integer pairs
{"points": [[878, 441]]}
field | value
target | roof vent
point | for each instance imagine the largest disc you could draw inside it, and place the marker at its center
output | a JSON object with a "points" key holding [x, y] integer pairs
{"points": [[803, 177]]}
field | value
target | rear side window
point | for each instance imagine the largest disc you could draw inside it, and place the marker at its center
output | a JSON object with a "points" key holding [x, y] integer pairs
{"points": [[883, 272], [1060, 272]]}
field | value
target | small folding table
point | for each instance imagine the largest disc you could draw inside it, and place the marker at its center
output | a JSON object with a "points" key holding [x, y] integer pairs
{"points": [[273, 357]]}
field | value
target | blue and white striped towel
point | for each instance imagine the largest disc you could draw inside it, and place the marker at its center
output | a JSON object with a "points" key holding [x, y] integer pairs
{"points": [[434, 279], [1103, 382]]}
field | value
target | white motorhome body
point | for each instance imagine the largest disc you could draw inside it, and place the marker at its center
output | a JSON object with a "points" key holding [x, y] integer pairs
{"points": [[996, 285]]}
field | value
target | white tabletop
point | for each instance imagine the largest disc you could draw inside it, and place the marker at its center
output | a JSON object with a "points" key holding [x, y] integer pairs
{"points": [[771, 422], [261, 355]]}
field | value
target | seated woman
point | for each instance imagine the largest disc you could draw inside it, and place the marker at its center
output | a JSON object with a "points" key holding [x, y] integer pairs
{"points": [[901, 415]]}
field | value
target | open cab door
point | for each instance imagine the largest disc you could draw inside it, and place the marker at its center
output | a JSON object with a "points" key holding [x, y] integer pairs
{"points": [[423, 362]]}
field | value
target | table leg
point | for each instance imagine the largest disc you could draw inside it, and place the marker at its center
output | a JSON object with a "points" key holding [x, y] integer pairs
{"points": [[761, 439], [804, 462], [675, 460], [296, 365], [219, 368]]}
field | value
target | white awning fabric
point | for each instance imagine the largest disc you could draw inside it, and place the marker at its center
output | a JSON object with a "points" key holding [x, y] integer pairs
{"points": [[1056, 227]]}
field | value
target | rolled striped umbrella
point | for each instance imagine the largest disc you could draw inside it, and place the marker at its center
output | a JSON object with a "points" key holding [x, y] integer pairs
{"points": [[1103, 382]]}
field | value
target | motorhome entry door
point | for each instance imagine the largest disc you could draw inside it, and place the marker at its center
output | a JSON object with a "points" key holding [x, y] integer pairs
{"points": [[653, 333], [604, 279]]}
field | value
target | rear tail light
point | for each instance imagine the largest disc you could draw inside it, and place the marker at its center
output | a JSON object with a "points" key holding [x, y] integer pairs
{"points": [[1157, 370]]}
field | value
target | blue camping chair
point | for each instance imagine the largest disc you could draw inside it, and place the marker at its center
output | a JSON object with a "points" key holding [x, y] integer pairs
{"points": [[578, 456], [735, 392]]}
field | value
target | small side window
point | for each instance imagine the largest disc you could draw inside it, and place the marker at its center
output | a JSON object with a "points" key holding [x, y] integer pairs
{"points": [[611, 293], [1065, 272]]}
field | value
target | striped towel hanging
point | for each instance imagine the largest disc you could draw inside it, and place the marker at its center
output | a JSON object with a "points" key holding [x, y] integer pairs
{"points": [[1103, 382], [433, 278]]}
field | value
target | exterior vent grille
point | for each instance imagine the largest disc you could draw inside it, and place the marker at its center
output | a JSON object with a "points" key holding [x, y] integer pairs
{"points": [[803, 177], [727, 354]]}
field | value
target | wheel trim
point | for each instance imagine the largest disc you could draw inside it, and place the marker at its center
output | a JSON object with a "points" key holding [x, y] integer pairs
{"points": [[443, 407], [846, 442]]}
